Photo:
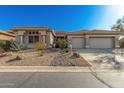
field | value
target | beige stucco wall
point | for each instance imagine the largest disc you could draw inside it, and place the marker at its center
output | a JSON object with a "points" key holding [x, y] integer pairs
{"points": [[43, 35], [6, 37], [51, 38]]}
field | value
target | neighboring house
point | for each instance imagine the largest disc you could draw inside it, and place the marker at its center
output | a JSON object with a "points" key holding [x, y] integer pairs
{"points": [[29, 35], [78, 39], [4, 35], [61, 35], [93, 38]]}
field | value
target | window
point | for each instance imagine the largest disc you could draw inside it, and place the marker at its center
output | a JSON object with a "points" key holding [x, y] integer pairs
{"points": [[29, 32], [33, 33], [30, 39], [36, 32], [36, 38], [33, 39]]}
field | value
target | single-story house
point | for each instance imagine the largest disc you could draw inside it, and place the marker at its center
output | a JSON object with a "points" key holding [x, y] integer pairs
{"points": [[92, 38], [29, 35], [4, 35], [78, 39]]}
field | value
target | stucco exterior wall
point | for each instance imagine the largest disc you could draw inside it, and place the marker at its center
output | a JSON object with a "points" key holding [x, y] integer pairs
{"points": [[22, 36], [51, 38], [6, 37]]}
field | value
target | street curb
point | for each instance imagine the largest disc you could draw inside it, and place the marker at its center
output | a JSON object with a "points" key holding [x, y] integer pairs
{"points": [[50, 69], [42, 69]]}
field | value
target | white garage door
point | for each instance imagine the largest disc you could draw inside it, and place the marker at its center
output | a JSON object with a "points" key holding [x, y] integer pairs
{"points": [[101, 42], [77, 42]]}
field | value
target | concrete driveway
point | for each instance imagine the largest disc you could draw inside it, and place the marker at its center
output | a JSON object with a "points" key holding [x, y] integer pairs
{"points": [[93, 55]]}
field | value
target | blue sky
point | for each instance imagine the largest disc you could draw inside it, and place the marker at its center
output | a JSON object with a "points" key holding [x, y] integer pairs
{"points": [[66, 17]]}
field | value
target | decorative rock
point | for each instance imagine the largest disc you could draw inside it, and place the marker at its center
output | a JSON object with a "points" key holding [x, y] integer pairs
{"points": [[76, 54]]}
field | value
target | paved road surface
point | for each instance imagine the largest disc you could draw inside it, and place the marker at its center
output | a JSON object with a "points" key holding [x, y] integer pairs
{"points": [[49, 80]]}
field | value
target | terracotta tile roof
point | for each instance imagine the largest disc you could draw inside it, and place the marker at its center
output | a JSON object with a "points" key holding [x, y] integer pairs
{"points": [[94, 32], [28, 28], [60, 33], [33, 28]]}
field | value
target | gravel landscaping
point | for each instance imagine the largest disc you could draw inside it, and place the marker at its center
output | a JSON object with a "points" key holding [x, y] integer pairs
{"points": [[33, 58], [67, 60]]}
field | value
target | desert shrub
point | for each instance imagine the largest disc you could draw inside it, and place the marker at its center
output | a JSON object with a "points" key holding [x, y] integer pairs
{"points": [[16, 46], [2, 43], [5, 45], [61, 43], [1, 47], [40, 45], [121, 43]]}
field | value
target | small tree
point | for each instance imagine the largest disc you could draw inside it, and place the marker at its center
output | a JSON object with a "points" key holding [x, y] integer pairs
{"points": [[119, 25], [62, 43]]}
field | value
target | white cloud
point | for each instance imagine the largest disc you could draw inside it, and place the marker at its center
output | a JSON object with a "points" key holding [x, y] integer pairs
{"points": [[119, 10], [110, 16]]}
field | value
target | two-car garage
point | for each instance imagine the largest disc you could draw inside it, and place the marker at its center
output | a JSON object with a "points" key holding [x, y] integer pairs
{"points": [[93, 42]]}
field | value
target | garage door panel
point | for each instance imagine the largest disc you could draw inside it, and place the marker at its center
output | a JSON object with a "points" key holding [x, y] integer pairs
{"points": [[77, 42], [101, 42]]}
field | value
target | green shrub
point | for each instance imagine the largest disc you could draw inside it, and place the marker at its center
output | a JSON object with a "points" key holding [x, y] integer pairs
{"points": [[61, 43], [121, 43], [40, 45]]}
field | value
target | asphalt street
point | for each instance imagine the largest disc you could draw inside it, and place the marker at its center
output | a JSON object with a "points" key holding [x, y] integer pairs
{"points": [[50, 80]]}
